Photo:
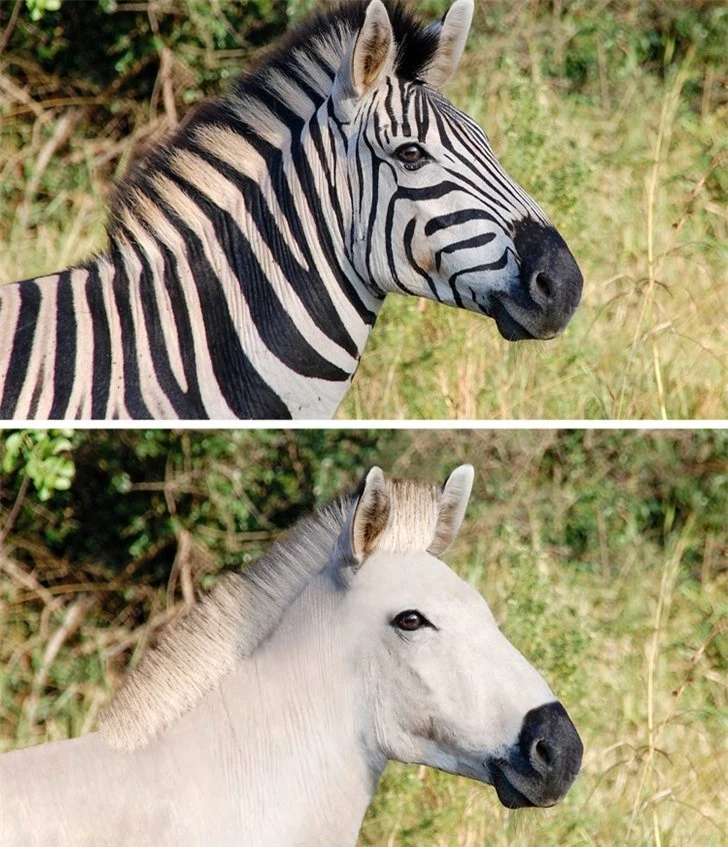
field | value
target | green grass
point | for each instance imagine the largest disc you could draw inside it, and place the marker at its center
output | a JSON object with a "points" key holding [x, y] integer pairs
{"points": [[628, 161], [602, 555]]}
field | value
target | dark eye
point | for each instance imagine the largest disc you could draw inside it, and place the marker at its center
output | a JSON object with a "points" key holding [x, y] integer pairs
{"points": [[410, 620], [411, 155]]}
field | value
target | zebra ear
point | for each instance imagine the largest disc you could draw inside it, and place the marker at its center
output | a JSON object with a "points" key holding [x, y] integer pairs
{"points": [[454, 501], [367, 521], [370, 54], [454, 28], [371, 514]]}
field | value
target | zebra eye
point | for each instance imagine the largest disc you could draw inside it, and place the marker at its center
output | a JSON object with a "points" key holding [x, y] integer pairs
{"points": [[410, 620], [411, 155]]}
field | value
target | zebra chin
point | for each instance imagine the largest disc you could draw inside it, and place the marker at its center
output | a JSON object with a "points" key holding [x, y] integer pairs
{"points": [[520, 322], [508, 327]]}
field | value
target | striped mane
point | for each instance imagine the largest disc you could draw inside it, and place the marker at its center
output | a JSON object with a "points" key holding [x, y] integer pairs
{"points": [[243, 610], [325, 35], [289, 81]]}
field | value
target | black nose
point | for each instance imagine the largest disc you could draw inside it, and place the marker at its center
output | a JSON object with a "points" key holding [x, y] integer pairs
{"points": [[551, 282], [541, 766], [551, 745]]}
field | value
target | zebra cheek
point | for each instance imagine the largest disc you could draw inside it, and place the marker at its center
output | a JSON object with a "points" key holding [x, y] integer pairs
{"points": [[418, 251], [424, 256]]}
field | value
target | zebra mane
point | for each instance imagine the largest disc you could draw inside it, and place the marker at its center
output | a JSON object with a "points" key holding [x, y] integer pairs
{"points": [[333, 25], [282, 86], [243, 609]]}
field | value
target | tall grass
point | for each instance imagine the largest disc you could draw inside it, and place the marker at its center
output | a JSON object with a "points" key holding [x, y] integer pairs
{"points": [[602, 555], [630, 166]]}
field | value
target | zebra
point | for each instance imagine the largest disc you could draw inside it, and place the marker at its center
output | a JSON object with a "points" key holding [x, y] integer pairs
{"points": [[249, 254]]}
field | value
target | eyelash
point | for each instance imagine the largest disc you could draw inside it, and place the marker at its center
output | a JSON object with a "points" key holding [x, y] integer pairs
{"points": [[411, 165]]}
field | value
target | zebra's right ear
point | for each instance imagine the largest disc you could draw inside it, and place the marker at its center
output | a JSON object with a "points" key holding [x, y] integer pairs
{"points": [[370, 55], [453, 32], [451, 511], [367, 521]]}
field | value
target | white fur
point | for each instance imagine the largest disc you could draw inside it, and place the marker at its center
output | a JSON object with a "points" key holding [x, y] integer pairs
{"points": [[284, 694]]}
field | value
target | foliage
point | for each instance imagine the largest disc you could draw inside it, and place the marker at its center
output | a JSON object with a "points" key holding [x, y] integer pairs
{"points": [[210, 40], [650, 486], [42, 457], [112, 496], [596, 46], [38, 8], [50, 43], [134, 491]]}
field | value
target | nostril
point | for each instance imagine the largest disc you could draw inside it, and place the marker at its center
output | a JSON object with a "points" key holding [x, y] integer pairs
{"points": [[542, 753], [543, 286]]}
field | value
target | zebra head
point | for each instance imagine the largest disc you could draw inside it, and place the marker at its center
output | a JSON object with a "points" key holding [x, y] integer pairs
{"points": [[433, 213]]}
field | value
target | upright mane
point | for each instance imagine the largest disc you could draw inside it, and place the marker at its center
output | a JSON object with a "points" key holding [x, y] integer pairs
{"points": [[324, 37], [243, 609], [284, 85]]}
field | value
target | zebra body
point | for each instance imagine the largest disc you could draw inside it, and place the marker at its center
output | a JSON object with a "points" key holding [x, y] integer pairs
{"points": [[249, 256]]}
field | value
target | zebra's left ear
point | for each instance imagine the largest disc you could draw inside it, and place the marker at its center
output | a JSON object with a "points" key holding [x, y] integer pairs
{"points": [[453, 502], [370, 55], [453, 28], [364, 525]]}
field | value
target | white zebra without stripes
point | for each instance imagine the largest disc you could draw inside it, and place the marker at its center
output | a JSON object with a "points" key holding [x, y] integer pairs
{"points": [[265, 716]]}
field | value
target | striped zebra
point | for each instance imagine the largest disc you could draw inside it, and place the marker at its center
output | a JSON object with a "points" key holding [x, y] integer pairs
{"points": [[249, 254]]}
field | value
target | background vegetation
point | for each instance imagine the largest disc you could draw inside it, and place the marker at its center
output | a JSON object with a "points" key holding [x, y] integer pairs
{"points": [[612, 114], [603, 555]]}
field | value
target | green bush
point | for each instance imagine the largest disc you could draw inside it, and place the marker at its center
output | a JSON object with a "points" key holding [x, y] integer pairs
{"points": [[134, 491], [102, 499], [51, 54]]}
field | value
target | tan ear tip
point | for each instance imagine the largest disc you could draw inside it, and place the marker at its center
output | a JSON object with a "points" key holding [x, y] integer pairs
{"points": [[463, 7], [377, 9]]}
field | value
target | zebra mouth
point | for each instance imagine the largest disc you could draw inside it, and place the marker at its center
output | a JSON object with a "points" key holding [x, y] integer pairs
{"points": [[508, 326], [507, 793]]}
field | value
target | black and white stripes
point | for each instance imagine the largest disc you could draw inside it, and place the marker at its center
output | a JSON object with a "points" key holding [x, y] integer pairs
{"points": [[250, 253]]}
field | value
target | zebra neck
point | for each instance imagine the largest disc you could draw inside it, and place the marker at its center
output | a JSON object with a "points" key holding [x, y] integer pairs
{"points": [[277, 280], [282, 337], [235, 303], [272, 250]]}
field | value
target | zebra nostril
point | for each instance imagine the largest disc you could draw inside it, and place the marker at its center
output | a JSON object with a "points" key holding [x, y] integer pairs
{"points": [[550, 749], [542, 286], [542, 753]]}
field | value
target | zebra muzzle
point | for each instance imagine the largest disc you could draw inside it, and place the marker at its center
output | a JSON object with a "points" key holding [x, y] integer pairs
{"points": [[549, 289]]}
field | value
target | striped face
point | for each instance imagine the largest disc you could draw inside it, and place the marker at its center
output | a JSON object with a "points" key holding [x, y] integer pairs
{"points": [[444, 208], [433, 212]]}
